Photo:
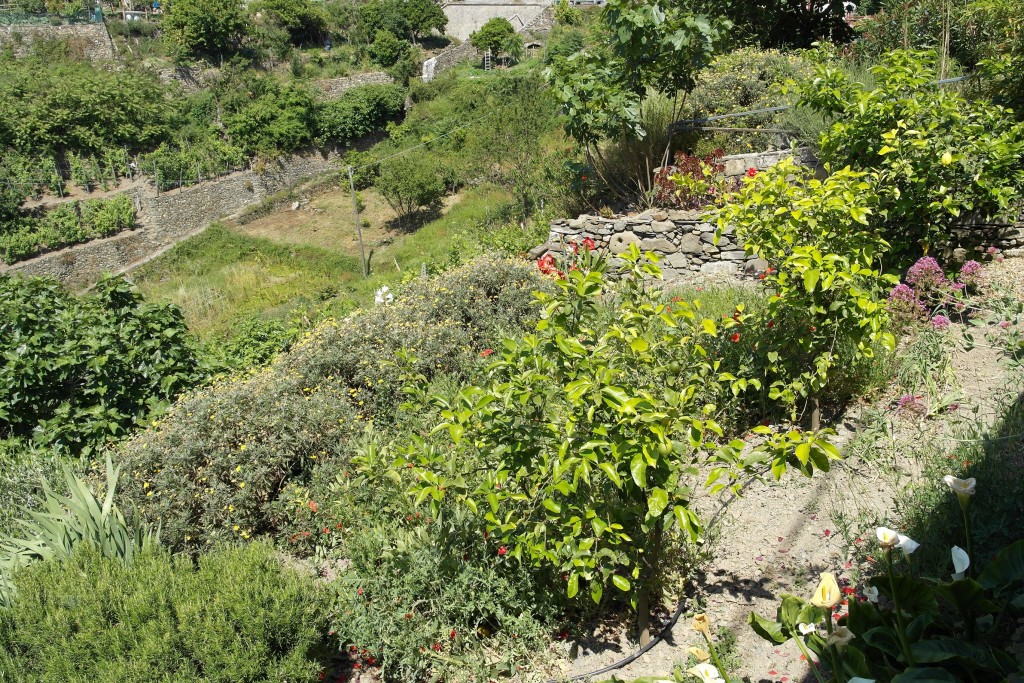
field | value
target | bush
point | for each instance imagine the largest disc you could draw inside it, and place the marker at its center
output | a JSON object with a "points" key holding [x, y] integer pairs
{"points": [[387, 49], [358, 112], [304, 20], [69, 223], [205, 28], [282, 120], [217, 463], [79, 372], [409, 183], [238, 616]]}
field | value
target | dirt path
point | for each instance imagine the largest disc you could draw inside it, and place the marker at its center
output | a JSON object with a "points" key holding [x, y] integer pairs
{"points": [[777, 538]]}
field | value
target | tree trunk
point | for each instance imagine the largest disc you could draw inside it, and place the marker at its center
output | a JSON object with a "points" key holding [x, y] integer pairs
{"points": [[815, 414], [643, 615]]}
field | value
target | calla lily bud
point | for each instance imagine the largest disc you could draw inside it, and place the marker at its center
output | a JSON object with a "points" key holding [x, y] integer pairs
{"points": [[702, 624], [840, 637], [961, 561], [827, 593], [963, 488], [698, 654]]}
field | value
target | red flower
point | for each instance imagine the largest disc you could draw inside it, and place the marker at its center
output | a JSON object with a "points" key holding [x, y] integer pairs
{"points": [[735, 337], [589, 244], [502, 550], [813, 328], [408, 615], [583, 177], [437, 647], [546, 265], [828, 532], [359, 592], [751, 172], [371, 661], [771, 324], [453, 634], [486, 352], [357, 665]]}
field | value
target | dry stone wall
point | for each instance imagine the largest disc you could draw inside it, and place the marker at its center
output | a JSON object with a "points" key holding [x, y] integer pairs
{"points": [[93, 39], [167, 219], [333, 87]]}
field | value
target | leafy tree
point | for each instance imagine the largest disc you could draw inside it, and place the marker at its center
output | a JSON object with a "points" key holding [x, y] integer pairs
{"points": [[381, 15], [498, 37], [654, 48], [205, 28], [304, 20], [410, 183], [424, 16], [785, 24], [279, 121], [937, 157], [566, 14], [358, 112], [387, 49], [78, 372]]}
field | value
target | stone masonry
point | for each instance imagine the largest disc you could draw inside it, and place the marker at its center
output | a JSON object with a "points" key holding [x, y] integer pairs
{"points": [[93, 38]]}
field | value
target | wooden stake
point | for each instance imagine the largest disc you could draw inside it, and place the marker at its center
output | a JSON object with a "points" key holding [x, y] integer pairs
{"points": [[355, 216]]}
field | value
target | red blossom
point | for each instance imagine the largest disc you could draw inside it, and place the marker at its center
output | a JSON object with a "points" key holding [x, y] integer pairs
{"points": [[453, 634], [437, 647], [828, 532], [589, 244], [313, 507], [502, 550], [751, 172], [735, 337], [359, 592], [486, 352], [771, 324]]}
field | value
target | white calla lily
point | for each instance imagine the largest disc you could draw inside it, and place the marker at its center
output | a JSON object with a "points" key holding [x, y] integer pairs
{"points": [[859, 679], [961, 561], [907, 544], [840, 637], [887, 538], [806, 629], [705, 673], [383, 296], [963, 488], [871, 593]]}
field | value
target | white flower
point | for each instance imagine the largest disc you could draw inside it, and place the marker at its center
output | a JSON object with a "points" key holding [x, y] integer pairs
{"points": [[383, 296], [826, 594], [706, 673], [888, 538], [961, 487], [840, 637], [961, 561], [806, 629], [871, 593], [858, 679]]}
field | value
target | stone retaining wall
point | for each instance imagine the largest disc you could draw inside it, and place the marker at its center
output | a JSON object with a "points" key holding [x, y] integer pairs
{"points": [[93, 39], [333, 87], [169, 218]]}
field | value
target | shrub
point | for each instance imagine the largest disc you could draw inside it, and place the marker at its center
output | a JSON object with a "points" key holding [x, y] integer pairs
{"points": [[498, 37], [387, 49], [937, 158], [82, 371], [239, 615], [215, 466], [359, 112], [282, 120], [205, 28], [410, 183], [69, 223], [692, 182], [304, 20]]}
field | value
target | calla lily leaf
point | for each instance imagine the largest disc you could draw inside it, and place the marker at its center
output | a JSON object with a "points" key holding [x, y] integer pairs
{"points": [[771, 631], [925, 675], [1007, 568]]}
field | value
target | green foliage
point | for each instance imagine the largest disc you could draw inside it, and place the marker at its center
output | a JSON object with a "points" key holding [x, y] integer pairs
{"points": [[498, 37], [653, 49], [69, 223], [424, 16], [583, 444], [563, 43], [280, 121], [387, 49], [782, 24], [567, 15], [78, 372], [382, 15], [239, 615], [937, 158], [66, 522], [410, 183], [49, 107], [827, 311], [214, 467], [304, 20], [358, 112], [204, 28], [925, 630]]}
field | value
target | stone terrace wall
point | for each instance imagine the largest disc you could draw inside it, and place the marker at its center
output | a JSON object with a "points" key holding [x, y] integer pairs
{"points": [[93, 38], [334, 87], [167, 219], [685, 243]]}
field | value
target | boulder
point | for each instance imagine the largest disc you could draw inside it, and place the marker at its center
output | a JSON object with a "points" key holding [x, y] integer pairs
{"points": [[620, 242], [660, 245], [719, 268], [690, 244], [677, 260]]}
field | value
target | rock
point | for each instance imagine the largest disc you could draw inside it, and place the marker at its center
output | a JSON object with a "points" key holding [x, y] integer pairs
{"points": [[734, 167], [690, 244], [683, 215], [733, 255], [719, 268], [668, 273], [620, 242], [711, 249], [619, 225], [960, 254], [659, 245], [538, 251], [663, 226], [757, 265], [577, 223], [659, 216], [677, 260], [708, 237]]}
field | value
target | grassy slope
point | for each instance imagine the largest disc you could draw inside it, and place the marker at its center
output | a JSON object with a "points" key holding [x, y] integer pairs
{"points": [[285, 262]]}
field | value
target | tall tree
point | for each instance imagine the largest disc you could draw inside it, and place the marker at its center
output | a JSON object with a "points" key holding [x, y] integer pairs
{"points": [[424, 16], [205, 28]]}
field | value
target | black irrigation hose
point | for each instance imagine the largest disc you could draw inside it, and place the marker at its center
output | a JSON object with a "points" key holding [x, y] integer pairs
{"points": [[636, 655]]}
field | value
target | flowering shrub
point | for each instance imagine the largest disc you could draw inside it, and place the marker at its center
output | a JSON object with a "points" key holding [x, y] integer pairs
{"points": [[902, 627], [585, 438], [825, 280], [927, 290]]}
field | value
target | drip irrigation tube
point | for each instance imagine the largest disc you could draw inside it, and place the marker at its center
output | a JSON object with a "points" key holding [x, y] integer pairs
{"points": [[633, 657]]}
